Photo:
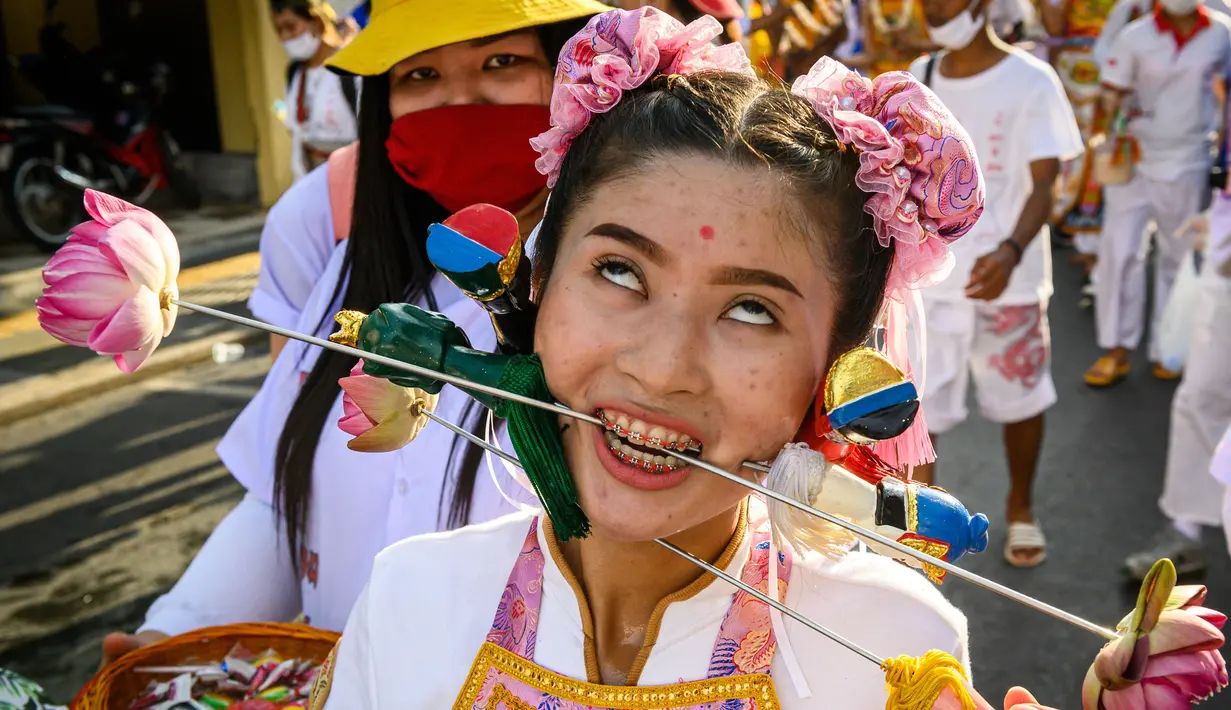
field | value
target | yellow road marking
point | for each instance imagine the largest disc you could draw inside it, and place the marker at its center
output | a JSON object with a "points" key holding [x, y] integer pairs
{"points": [[27, 321]]}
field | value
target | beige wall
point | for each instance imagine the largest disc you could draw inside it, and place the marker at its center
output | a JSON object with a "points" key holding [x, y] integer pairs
{"points": [[249, 75]]}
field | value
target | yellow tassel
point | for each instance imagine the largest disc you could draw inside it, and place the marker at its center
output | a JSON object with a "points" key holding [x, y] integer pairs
{"points": [[915, 683]]}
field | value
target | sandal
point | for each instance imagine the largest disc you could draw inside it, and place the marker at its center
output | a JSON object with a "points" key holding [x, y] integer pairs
{"points": [[1106, 372], [1164, 374], [1025, 536]]}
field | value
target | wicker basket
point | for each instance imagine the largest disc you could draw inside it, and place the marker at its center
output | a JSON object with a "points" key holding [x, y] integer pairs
{"points": [[116, 686]]}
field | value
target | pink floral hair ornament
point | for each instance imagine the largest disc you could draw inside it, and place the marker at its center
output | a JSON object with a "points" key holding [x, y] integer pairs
{"points": [[618, 51], [915, 160]]}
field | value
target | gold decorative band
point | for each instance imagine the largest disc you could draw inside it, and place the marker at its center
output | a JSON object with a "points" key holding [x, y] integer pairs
{"points": [[758, 687]]}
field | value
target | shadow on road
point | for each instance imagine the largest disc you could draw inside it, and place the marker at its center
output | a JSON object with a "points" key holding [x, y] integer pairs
{"points": [[103, 504]]}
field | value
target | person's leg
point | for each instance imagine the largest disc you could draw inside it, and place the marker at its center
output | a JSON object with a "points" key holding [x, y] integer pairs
{"points": [[1119, 277], [1011, 366], [1200, 414], [1173, 203], [949, 333]]}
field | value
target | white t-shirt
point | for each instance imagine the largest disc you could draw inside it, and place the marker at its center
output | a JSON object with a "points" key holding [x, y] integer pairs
{"points": [[1172, 86], [1010, 129], [361, 502], [426, 611], [330, 122]]}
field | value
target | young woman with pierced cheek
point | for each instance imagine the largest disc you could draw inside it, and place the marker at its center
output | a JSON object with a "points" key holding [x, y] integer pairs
{"points": [[451, 95], [722, 339], [704, 257]]}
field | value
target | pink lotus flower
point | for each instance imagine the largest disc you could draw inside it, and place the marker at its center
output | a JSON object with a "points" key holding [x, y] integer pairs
{"points": [[1168, 656], [109, 288], [381, 415]]}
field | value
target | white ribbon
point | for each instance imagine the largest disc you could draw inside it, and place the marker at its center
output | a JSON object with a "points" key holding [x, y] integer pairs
{"points": [[514, 473]]}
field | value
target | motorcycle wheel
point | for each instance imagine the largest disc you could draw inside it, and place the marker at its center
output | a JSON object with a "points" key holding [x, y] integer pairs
{"points": [[181, 183], [42, 206]]}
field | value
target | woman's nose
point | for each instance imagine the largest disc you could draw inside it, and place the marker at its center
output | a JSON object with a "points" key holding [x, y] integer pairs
{"points": [[464, 91], [666, 356]]}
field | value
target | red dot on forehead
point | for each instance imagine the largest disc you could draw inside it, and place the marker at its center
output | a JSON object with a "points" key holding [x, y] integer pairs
{"points": [[707, 232]]}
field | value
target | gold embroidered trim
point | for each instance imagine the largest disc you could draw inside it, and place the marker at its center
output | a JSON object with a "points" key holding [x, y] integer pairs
{"points": [[912, 509], [758, 688], [324, 678], [501, 695]]}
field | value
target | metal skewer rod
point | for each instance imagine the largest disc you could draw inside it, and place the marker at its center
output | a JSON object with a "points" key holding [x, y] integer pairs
{"points": [[386, 361], [768, 492], [721, 574], [958, 571], [906, 550], [833, 635], [477, 441]]}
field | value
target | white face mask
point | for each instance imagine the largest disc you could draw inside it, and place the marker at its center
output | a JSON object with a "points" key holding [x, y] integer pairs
{"points": [[302, 47], [960, 31], [1179, 7]]}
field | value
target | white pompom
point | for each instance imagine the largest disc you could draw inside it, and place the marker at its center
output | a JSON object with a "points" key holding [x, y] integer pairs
{"points": [[799, 473]]}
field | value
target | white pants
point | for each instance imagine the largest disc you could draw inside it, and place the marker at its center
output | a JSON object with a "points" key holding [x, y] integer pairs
{"points": [[1201, 410], [1120, 276], [1005, 349], [1086, 242]]}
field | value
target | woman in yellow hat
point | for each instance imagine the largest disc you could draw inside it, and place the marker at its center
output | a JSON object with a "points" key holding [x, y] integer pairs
{"points": [[451, 94]]}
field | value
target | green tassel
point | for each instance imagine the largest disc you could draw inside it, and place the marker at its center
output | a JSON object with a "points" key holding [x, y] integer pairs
{"points": [[536, 439]]}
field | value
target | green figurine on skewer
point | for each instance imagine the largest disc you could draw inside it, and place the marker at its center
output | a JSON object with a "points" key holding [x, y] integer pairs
{"points": [[411, 334]]}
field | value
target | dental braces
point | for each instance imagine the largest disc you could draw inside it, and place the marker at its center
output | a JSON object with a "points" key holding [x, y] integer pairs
{"points": [[644, 440], [642, 463]]}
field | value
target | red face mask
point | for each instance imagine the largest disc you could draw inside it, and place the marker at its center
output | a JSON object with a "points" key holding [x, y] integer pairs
{"points": [[465, 155]]}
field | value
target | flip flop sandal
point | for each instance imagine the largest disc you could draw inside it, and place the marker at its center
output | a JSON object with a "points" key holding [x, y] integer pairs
{"points": [[1164, 374], [1106, 372], [1025, 536]]}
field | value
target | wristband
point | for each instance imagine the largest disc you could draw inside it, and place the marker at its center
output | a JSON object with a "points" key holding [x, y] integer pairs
{"points": [[1017, 249]]}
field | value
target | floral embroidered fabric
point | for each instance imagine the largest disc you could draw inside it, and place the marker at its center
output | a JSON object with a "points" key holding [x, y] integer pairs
{"points": [[504, 675]]}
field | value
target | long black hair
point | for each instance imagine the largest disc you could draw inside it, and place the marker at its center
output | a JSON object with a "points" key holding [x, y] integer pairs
{"points": [[386, 258]]}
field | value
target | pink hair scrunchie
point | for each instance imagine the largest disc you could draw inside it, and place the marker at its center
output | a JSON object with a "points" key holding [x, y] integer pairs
{"points": [[618, 51], [915, 160]]}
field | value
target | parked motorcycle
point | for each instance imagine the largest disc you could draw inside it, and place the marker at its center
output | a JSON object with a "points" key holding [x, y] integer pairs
{"points": [[100, 130]]}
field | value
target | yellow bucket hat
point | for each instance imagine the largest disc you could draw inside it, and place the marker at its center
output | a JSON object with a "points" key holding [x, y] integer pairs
{"points": [[398, 29]]}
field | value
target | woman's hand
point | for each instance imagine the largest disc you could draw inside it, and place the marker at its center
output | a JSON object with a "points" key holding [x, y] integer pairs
{"points": [[1021, 699], [1015, 699], [120, 644]]}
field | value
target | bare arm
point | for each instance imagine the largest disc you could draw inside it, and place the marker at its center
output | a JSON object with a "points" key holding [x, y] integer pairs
{"points": [[276, 343], [1043, 174], [1054, 14], [991, 273]]}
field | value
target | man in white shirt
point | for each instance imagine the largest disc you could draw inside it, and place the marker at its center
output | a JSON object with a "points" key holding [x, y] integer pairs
{"points": [[1126, 11], [1200, 414], [1167, 61], [989, 318]]}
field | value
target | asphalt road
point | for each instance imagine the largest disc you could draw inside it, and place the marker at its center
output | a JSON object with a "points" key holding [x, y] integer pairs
{"points": [[102, 504]]}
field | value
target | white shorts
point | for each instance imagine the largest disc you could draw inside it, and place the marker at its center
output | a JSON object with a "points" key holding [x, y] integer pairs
{"points": [[1007, 349]]}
